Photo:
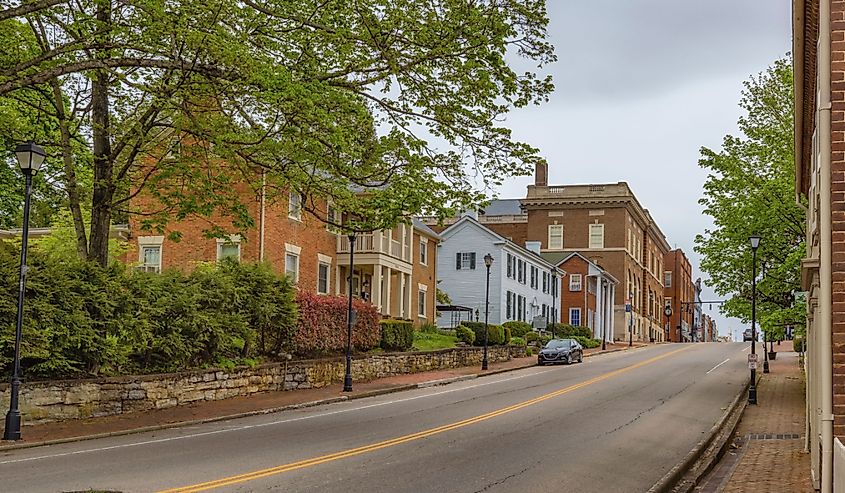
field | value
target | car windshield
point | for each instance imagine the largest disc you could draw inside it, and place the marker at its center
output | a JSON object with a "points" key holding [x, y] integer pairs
{"points": [[558, 344]]}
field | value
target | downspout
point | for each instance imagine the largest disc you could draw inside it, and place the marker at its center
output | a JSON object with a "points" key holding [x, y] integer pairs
{"points": [[825, 295], [262, 215]]}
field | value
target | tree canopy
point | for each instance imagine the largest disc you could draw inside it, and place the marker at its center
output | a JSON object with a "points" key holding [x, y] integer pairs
{"points": [[750, 189], [386, 107]]}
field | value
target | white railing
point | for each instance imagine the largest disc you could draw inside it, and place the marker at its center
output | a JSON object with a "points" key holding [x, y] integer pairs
{"points": [[378, 242]]}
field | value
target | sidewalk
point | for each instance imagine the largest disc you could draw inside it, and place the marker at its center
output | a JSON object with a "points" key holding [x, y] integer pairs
{"points": [[204, 411], [768, 453]]}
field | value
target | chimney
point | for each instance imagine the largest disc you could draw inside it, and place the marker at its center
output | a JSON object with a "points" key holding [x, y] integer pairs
{"points": [[533, 246], [541, 175]]}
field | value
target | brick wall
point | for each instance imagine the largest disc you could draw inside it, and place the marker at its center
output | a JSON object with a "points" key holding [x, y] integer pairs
{"points": [[838, 210], [582, 299], [425, 275]]}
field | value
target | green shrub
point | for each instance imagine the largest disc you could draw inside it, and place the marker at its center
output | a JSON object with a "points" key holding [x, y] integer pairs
{"points": [[428, 328], [544, 339], [507, 338], [322, 327], [518, 329], [465, 334], [517, 341], [396, 335], [528, 351], [566, 330], [531, 336], [798, 344], [495, 334], [587, 342]]}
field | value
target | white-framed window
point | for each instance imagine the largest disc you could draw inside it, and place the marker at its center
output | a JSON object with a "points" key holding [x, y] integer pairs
{"points": [[545, 282], [149, 253], [509, 305], [423, 251], [422, 300], [295, 205], [229, 248], [597, 236], [575, 316], [667, 279], [555, 237], [323, 270], [465, 260], [292, 253], [575, 282], [510, 266]]}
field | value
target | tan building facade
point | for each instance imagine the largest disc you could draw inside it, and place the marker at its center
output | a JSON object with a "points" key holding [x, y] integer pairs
{"points": [[679, 295]]}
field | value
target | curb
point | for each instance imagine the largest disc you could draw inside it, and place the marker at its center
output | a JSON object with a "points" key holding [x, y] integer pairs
{"points": [[289, 407], [686, 474]]}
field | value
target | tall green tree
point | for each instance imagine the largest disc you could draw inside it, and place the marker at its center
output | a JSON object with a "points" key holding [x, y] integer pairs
{"points": [[750, 189], [385, 107]]}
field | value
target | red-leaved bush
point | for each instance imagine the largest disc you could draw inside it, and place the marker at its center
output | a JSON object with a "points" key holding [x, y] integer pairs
{"points": [[321, 326]]}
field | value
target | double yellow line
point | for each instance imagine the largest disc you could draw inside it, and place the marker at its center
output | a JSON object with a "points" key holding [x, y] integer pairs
{"points": [[250, 476]]}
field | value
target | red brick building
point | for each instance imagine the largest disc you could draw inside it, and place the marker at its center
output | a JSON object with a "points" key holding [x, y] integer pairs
{"points": [[587, 295], [679, 295], [394, 269]]}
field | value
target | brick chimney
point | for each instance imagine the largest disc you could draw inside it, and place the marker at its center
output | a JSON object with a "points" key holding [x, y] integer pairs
{"points": [[541, 175]]}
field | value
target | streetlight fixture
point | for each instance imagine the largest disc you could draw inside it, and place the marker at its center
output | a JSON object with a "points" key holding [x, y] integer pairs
{"points": [[488, 262], [755, 243], [30, 158], [350, 318]]}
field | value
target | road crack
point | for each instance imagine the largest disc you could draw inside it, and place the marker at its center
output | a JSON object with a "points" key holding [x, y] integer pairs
{"points": [[660, 402], [505, 479]]}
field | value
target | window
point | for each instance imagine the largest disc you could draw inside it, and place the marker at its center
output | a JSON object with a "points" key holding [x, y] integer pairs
{"points": [[534, 273], [545, 282], [465, 260], [575, 282], [322, 277], [292, 266], [555, 237], [510, 266], [229, 248], [295, 205], [332, 218], [520, 271], [424, 252], [575, 316], [150, 258], [520, 304], [421, 296], [509, 305], [597, 236], [667, 279]]}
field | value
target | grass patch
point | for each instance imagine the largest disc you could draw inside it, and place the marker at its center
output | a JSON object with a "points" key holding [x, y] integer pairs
{"points": [[430, 341]]}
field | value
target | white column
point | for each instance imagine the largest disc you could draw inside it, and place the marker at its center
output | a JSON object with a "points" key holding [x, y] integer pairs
{"points": [[388, 307], [599, 312], [376, 289], [408, 297]]}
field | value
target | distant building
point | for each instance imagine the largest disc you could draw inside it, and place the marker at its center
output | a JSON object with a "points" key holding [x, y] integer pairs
{"points": [[588, 295], [678, 292], [523, 285]]}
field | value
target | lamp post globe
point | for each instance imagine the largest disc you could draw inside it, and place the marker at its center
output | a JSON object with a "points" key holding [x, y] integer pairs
{"points": [[30, 157], [488, 262]]}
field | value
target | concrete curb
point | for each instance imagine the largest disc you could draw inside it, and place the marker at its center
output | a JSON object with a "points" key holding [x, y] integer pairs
{"points": [[701, 459], [289, 407]]}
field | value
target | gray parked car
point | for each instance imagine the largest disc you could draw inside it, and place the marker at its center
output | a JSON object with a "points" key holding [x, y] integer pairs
{"points": [[561, 351]]}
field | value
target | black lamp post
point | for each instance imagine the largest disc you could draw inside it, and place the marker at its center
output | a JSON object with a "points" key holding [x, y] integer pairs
{"points": [[350, 318], [765, 353], [553, 288], [488, 262], [752, 390], [667, 310], [30, 157]]}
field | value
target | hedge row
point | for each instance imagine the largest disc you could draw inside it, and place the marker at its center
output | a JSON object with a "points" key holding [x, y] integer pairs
{"points": [[322, 324], [397, 335], [496, 334]]}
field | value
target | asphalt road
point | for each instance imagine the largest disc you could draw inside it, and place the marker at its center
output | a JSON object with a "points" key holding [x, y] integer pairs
{"points": [[617, 422]]}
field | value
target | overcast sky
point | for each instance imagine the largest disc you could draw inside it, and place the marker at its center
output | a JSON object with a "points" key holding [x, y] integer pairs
{"points": [[641, 86]]}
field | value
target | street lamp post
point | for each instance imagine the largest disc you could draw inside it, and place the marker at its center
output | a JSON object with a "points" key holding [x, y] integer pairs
{"points": [[667, 310], [765, 354], [752, 389], [30, 157], [488, 262], [553, 286], [350, 319]]}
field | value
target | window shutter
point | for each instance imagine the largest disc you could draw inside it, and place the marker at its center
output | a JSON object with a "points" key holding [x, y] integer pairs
{"points": [[458, 260], [472, 260]]}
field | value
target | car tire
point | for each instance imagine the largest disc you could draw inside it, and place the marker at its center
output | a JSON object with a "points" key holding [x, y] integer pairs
{"points": [[569, 360], [581, 358]]}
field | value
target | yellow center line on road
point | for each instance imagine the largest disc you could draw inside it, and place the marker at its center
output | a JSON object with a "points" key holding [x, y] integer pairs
{"points": [[250, 476]]}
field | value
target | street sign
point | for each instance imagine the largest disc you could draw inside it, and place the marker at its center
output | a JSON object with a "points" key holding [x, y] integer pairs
{"points": [[752, 361]]}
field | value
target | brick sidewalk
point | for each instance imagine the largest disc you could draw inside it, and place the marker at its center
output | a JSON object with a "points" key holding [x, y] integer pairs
{"points": [[257, 403], [769, 454]]}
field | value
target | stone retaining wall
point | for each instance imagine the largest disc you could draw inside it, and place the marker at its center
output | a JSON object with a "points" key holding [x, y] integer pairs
{"points": [[72, 399]]}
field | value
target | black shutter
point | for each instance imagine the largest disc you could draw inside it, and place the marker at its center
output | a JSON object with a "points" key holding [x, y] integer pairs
{"points": [[472, 260], [458, 260]]}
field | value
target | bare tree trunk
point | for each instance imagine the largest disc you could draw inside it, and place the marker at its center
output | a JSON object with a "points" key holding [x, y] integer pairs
{"points": [[103, 191], [70, 174]]}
